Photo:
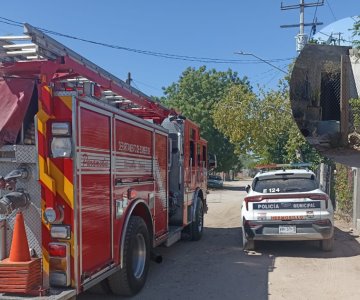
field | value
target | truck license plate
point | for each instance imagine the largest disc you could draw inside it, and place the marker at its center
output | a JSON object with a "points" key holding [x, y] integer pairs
{"points": [[287, 229]]}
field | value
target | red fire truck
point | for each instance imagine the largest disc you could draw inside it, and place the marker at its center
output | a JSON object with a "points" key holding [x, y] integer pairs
{"points": [[95, 174]]}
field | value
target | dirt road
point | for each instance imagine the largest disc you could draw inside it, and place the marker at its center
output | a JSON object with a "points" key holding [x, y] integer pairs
{"points": [[217, 268]]}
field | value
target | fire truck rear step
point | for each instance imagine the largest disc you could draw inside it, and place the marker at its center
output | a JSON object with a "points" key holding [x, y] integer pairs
{"points": [[54, 294], [174, 235]]}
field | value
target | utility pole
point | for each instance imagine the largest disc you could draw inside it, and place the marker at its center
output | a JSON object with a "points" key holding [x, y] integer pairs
{"points": [[339, 39], [302, 38]]}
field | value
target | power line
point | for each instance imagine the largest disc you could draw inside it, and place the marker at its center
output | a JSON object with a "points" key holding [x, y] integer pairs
{"points": [[272, 78], [313, 27], [148, 52], [332, 12], [330, 35], [147, 85]]}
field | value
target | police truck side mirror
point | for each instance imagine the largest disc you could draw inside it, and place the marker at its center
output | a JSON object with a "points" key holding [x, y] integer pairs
{"points": [[247, 188]]}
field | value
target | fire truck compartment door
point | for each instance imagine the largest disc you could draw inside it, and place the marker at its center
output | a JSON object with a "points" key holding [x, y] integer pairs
{"points": [[15, 95], [94, 163]]}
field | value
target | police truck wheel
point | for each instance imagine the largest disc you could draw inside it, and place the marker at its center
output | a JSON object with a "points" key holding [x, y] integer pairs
{"points": [[248, 244], [327, 245], [197, 226], [131, 278]]}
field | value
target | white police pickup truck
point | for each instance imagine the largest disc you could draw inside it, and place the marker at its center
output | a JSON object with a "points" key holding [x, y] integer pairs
{"points": [[287, 205]]}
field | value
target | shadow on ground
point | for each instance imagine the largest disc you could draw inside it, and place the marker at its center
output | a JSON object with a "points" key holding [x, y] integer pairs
{"points": [[229, 188], [213, 268], [234, 188], [216, 267]]}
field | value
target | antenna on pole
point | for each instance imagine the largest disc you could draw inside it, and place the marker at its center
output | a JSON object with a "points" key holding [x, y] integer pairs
{"points": [[302, 38], [129, 79]]}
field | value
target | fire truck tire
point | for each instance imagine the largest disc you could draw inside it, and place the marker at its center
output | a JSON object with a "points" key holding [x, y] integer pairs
{"points": [[131, 278], [197, 226]]}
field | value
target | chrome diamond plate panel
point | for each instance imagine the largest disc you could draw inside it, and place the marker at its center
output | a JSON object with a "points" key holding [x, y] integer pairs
{"points": [[19, 153], [32, 215]]}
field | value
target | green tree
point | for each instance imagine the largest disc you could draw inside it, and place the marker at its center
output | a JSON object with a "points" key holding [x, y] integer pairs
{"points": [[195, 95], [262, 125], [356, 32], [343, 188]]}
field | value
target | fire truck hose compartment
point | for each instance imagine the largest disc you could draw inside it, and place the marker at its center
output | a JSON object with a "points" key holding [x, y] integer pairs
{"points": [[15, 95]]}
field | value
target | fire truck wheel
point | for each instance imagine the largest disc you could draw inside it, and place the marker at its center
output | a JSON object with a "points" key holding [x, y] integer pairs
{"points": [[197, 226], [131, 278]]}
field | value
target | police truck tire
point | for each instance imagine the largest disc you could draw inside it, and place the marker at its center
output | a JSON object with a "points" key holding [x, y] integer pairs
{"points": [[197, 226], [131, 278], [248, 244], [327, 245]]}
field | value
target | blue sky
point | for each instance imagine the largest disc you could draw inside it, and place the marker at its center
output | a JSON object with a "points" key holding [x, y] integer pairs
{"points": [[201, 28]]}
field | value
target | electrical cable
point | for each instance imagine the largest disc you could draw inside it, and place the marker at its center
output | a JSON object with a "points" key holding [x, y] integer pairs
{"points": [[329, 35], [332, 12], [148, 52], [314, 19], [147, 85]]}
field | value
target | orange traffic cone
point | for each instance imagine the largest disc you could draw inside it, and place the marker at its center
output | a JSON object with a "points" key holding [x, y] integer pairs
{"points": [[19, 251], [20, 273]]}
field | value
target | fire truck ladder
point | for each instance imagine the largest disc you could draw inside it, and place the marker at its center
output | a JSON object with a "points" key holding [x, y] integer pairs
{"points": [[41, 47]]}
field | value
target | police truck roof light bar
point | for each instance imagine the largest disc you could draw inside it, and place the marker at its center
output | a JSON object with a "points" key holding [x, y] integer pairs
{"points": [[284, 166]]}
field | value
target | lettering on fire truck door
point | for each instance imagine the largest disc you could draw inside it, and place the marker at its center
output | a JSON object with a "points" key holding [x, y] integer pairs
{"points": [[94, 165]]}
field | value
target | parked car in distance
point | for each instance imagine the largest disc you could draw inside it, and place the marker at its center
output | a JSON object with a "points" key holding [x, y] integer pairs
{"points": [[287, 205], [215, 181]]}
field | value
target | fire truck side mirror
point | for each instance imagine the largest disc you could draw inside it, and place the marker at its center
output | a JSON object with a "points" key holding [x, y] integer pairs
{"points": [[180, 144], [212, 161]]}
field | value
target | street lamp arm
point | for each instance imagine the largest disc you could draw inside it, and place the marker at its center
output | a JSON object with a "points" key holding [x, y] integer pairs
{"points": [[259, 58]]}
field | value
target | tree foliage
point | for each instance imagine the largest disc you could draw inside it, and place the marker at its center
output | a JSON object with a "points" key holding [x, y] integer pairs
{"points": [[262, 125], [236, 121], [356, 33], [355, 109], [195, 95], [343, 188]]}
